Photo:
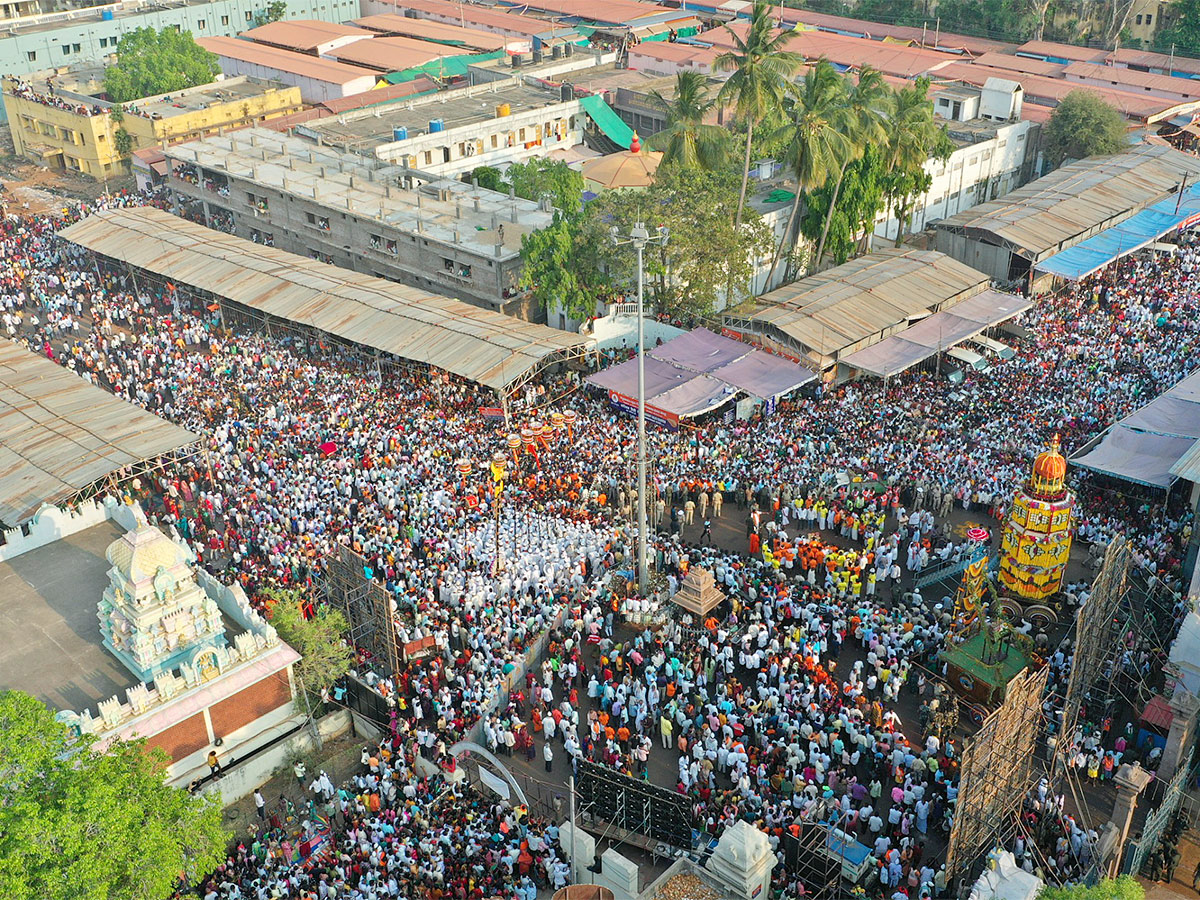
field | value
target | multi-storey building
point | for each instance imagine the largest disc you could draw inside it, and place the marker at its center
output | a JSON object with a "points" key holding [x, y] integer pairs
{"points": [[90, 36], [60, 121], [407, 225]]}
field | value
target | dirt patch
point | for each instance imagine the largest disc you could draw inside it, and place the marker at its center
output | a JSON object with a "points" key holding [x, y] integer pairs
{"points": [[28, 187]]}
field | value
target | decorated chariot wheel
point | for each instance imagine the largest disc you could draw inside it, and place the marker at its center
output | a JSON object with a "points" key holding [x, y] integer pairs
{"points": [[1041, 616], [975, 713]]}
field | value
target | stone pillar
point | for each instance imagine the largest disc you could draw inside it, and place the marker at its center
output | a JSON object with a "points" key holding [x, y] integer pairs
{"points": [[1184, 705], [1131, 780]]}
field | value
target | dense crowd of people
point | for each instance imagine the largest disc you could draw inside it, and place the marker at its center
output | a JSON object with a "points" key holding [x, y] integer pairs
{"points": [[783, 708]]}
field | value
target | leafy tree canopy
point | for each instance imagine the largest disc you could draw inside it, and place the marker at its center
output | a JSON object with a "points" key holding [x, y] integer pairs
{"points": [[274, 12], [573, 264], [79, 824], [153, 62], [1123, 888], [489, 178], [539, 177], [1184, 31], [325, 656], [1083, 125], [859, 201]]}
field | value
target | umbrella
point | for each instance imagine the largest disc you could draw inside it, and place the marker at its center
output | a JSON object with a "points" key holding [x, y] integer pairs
{"points": [[977, 534], [328, 448]]}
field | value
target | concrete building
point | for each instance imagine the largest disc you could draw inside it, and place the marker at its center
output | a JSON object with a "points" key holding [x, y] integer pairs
{"points": [[997, 152], [446, 134], [90, 36], [319, 80], [402, 224], [72, 128]]}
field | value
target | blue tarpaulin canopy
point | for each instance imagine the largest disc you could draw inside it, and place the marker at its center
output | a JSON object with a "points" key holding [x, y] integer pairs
{"points": [[1125, 237]]}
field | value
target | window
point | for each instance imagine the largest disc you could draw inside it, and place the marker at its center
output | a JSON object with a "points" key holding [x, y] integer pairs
{"points": [[376, 242], [74, 48], [1149, 20], [224, 20], [392, 247], [201, 24], [66, 49], [249, 16], [973, 160], [102, 138], [31, 55]]}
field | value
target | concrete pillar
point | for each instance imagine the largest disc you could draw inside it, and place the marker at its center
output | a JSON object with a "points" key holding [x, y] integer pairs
{"points": [[1184, 705], [1131, 780]]}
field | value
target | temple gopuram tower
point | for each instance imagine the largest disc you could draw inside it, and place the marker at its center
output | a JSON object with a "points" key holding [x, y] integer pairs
{"points": [[1037, 533]]}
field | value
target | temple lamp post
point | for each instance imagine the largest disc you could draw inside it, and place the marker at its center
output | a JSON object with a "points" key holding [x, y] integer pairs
{"points": [[640, 237]]}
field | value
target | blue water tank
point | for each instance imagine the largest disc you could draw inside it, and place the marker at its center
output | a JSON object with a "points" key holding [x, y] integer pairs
{"points": [[106, 15], [437, 125], [400, 134]]}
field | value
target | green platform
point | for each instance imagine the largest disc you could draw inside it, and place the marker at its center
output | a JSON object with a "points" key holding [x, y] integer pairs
{"points": [[968, 657]]}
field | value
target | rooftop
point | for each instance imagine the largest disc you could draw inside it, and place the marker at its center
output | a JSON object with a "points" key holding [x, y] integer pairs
{"points": [[473, 218], [50, 597], [428, 30], [53, 21], [490, 18], [833, 310], [60, 435], [284, 60], [468, 106], [392, 54], [303, 34], [1055, 210], [479, 345]]}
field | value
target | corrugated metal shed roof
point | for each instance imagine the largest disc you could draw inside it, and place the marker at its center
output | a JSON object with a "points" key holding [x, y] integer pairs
{"points": [[1053, 212], [59, 434], [285, 60], [1125, 79], [1188, 465], [303, 34], [480, 345], [835, 309]]}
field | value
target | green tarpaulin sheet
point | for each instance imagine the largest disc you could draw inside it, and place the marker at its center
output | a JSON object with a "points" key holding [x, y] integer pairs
{"points": [[607, 120], [446, 67]]}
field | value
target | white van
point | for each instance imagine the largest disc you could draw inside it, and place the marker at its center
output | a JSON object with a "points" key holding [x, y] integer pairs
{"points": [[970, 358], [1001, 350]]}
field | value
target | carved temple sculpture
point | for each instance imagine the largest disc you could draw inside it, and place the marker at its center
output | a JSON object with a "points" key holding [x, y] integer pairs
{"points": [[154, 617]]}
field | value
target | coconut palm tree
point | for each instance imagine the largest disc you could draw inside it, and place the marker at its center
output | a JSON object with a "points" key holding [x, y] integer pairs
{"points": [[687, 141], [868, 104], [814, 136], [762, 70], [912, 137]]}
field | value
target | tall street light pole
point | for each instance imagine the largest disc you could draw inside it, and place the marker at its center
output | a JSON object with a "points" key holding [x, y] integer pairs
{"points": [[640, 237]]}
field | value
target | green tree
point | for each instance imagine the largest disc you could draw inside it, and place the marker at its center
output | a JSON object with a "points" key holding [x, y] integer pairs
{"points": [[814, 137], [867, 106], [490, 178], [843, 216], [1124, 888], [573, 264], [540, 177], [325, 656], [913, 138], [122, 142], [1083, 125], [153, 62], [687, 141], [274, 12], [552, 274], [78, 824], [762, 69], [1184, 31]]}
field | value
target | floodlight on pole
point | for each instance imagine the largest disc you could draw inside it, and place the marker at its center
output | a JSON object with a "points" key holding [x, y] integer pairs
{"points": [[639, 237]]}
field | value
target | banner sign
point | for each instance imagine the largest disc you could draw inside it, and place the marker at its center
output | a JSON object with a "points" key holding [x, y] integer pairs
{"points": [[491, 412], [653, 414]]}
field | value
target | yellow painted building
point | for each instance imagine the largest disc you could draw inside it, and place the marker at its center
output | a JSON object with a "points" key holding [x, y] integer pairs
{"points": [[1036, 542], [59, 121]]}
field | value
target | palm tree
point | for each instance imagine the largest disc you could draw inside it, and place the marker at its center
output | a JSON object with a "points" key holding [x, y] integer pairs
{"points": [[762, 69], [814, 136], [687, 141], [912, 135], [867, 107]]}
